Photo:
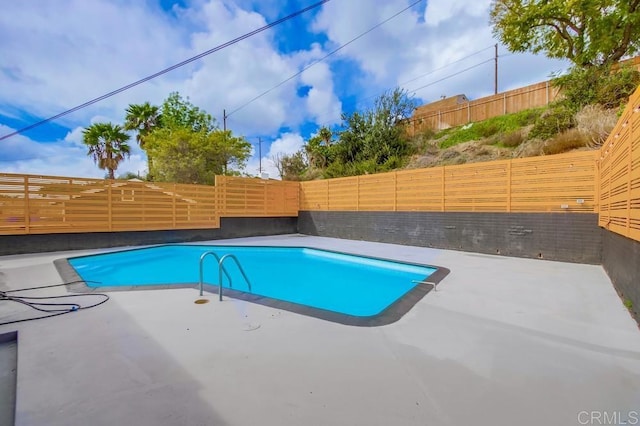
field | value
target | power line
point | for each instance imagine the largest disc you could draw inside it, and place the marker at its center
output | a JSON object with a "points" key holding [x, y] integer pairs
{"points": [[427, 73], [324, 57], [446, 66], [166, 70], [433, 82], [452, 75]]}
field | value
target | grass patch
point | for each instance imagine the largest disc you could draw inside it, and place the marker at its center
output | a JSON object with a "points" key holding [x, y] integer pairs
{"points": [[488, 128], [566, 141], [628, 304]]}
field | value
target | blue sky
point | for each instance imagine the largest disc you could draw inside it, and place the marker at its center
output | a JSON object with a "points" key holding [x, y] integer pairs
{"points": [[53, 58]]}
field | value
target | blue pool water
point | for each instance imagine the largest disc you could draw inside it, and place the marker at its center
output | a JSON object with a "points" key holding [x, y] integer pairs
{"points": [[337, 282]]}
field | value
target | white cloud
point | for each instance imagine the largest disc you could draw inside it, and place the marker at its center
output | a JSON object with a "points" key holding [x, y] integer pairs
{"points": [[322, 103], [286, 144], [66, 157], [408, 46], [54, 58]]}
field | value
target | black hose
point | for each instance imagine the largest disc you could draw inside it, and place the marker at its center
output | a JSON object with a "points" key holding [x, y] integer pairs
{"points": [[51, 308]]}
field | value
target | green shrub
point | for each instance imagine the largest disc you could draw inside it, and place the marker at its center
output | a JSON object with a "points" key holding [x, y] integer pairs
{"points": [[597, 85], [553, 121]]}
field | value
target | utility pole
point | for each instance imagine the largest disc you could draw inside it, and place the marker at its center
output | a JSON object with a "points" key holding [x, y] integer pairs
{"points": [[260, 156], [224, 119], [224, 135], [495, 74]]}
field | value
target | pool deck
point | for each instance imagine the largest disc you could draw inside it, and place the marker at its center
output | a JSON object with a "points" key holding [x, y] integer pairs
{"points": [[503, 341]]}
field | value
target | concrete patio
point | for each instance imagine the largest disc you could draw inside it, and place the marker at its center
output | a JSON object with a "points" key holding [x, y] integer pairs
{"points": [[504, 341]]}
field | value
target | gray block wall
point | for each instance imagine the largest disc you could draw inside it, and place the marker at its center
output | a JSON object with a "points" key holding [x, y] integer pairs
{"points": [[230, 227], [621, 261], [571, 237]]}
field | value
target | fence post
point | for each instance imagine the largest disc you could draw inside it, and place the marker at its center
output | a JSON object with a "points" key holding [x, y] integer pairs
{"points": [[328, 195], [357, 193], [596, 199], [504, 103], [468, 111], [442, 189], [395, 191], [173, 207], [109, 206], [27, 206], [509, 186], [547, 90], [629, 182]]}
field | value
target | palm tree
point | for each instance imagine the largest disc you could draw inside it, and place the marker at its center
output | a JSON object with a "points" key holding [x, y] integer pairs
{"points": [[143, 118], [107, 144]]}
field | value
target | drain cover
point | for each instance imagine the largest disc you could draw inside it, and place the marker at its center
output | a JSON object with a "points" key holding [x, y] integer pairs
{"points": [[247, 326], [201, 301]]}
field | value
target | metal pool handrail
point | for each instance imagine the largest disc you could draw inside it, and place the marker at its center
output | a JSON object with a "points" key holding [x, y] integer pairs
{"points": [[214, 254], [435, 286], [221, 269]]}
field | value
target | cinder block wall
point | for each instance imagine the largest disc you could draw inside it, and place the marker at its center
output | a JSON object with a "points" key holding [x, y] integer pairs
{"points": [[230, 227], [570, 237], [621, 260]]}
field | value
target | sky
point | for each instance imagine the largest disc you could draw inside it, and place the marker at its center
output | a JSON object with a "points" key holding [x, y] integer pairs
{"points": [[55, 58]]}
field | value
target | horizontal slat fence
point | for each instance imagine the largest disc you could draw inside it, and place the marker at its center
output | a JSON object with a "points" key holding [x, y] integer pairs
{"points": [[619, 183], [249, 197], [555, 183], [50, 204]]}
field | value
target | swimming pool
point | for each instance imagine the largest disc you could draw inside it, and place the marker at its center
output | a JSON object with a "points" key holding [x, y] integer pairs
{"points": [[336, 286]]}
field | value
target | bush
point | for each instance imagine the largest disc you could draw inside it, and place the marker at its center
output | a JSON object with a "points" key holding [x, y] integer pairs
{"points": [[513, 139], [553, 121], [596, 123], [597, 85], [566, 141]]}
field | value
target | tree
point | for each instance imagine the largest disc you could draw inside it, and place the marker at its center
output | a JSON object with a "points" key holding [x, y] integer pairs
{"points": [[143, 118], [318, 148], [290, 166], [184, 156], [233, 151], [587, 32], [107, 145], [374, 136], [177, 112]]}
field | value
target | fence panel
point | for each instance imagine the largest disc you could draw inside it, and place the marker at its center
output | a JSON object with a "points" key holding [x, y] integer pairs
{"points": [[343, 194], [377, 192], [420, 190], [252, 197], [314, 195], [52, 204], [477, 187], [619, 183], [566, 182]]}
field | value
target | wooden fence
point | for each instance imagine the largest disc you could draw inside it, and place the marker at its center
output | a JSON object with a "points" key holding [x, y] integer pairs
{"points": [[533, 96], [48, 204], [619, 164], [242, 197], [555, 183]]}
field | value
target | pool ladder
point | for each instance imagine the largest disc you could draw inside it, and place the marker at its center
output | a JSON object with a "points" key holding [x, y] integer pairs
{"points": [[221, 270]]}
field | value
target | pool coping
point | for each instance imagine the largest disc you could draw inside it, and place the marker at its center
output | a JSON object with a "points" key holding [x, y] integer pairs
{"points": [[389, 315]]}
